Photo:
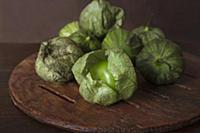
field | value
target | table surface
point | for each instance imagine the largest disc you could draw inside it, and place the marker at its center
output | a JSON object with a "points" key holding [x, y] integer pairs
{"points": [[12, 120]]}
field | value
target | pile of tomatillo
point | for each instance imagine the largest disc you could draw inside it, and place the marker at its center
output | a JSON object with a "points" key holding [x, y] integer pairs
{"points": [[102, 56]]}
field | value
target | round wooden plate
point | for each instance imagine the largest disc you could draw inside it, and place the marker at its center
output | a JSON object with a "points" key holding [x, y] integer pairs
{"points": [[151, 109]]}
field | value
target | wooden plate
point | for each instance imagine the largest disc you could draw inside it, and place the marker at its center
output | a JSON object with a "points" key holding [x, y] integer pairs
{"points": [[151, 110]]}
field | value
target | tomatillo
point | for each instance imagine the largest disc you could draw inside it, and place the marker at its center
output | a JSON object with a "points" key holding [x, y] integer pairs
{"points": [[147, 34], [100, 72], [105, 76]]}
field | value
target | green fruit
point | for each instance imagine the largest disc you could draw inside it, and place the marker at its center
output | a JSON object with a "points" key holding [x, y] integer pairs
{"points": [[56, 58], [122, 39], [105, 76], [69, 29], [160, 62], [99, 16], [147, 34], [100, 72]]}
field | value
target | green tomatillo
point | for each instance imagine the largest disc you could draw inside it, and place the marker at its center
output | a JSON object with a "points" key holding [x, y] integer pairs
{"points": [[56, 58], [99, 16], [105, 76], [122, 39], [161, 62], [100, 72], [147, 34], [69, 29], [82, 39]]}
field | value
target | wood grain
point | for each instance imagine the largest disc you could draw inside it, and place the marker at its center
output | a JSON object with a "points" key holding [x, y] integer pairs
{"points": [[151, 109]]}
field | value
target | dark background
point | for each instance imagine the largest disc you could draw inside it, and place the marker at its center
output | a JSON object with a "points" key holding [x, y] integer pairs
{"points": [[36, 20], [25, 23]]}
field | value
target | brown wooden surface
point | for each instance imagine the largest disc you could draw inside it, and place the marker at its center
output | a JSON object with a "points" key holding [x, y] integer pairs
{"points": [[14, 121], [152, 109]]}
